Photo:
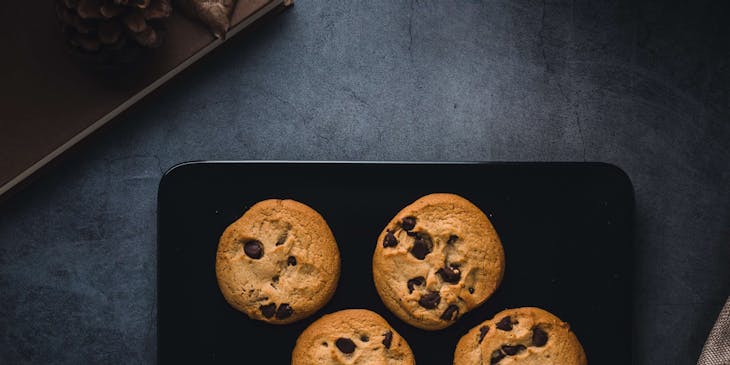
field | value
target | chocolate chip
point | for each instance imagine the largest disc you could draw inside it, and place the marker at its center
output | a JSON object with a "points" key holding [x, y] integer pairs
{"points": [[497, 355], [291, 260], [282, 239], [408, 223], [345, 345], [364, 338], [450, 275], [513, 350], [430, 300], [387, 339], [275, 279], [253, 249], [505, 324], [483, 332], [471, 290], [417, 281], [390, 240], [539, 337], [419, 250], [325, 344], [422, 246], [268, 310], [284, 311], [452, 239], [451, 312]]}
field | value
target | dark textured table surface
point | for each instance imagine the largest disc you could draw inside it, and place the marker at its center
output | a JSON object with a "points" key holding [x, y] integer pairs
{"points": [[643, 85]]}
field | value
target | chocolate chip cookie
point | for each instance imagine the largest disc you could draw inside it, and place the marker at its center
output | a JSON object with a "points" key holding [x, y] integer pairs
{"points": [[352, 336], [437, 259], [522, 336], [279, 262]]}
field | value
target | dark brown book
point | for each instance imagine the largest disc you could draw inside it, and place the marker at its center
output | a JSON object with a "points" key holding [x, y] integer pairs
{"points": [[50, 100]]}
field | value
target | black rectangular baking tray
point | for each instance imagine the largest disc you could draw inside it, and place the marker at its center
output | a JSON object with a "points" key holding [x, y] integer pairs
{"points": [[566, 230]]}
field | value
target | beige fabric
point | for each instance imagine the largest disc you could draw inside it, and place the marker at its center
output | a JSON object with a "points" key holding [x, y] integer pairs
{"points": [[717, 347]]}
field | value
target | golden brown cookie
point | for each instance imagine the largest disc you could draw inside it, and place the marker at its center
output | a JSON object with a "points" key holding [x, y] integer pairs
{"points": [[437, 259], [279, 262], [352, 336], [522, 336]]}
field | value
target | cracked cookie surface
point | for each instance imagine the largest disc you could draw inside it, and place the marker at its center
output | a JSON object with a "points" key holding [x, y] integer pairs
{"points": [[351, 336], [279, 262], [521, 336], [436, 260]]}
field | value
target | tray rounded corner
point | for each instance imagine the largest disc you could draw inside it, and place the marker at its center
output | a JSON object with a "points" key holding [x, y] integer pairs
{"points": [[619, 173], [173, 171]]}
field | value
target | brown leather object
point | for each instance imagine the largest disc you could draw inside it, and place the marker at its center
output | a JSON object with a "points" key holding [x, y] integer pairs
{"points": [[214, 13], [50, 101]]}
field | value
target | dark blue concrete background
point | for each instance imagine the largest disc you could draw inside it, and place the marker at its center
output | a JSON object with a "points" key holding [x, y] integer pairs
{"points": [[643, 85]]}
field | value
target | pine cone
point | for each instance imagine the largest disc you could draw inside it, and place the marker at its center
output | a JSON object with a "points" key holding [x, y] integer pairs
{"points": [[109, 26]]}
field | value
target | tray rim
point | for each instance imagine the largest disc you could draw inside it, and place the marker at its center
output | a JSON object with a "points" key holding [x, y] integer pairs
{"points": [[597, 164]]}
